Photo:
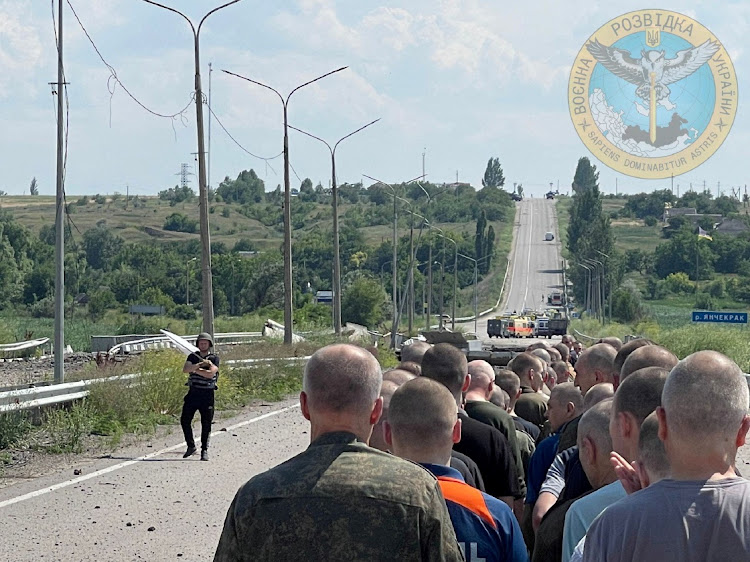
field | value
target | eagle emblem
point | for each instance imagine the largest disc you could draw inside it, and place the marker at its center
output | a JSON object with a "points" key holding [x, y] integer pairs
{"points": [[653, 69]]}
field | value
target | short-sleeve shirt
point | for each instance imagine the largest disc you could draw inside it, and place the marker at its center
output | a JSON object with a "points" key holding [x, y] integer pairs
{"points": [[198, 381], [690, 521], [485, 527], [583, 512]]}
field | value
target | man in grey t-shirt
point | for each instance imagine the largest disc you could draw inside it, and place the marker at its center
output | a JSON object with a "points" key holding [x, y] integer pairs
{"points": [[701, 513]]}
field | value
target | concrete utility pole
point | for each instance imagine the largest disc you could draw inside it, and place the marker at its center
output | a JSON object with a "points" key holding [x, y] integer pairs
{"points": [[206, 275], [59, 215], [334, 204], [288, 319], [394, 325]]}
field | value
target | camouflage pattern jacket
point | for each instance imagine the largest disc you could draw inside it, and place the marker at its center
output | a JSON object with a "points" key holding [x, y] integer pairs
{"points": [[339, 500]]}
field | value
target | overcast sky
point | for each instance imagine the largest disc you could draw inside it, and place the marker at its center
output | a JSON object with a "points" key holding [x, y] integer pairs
{"points": [[461, 80]]}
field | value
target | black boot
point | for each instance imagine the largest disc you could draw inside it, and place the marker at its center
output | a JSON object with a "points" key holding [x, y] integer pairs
{"points": [[204, 454], [190, 451]]}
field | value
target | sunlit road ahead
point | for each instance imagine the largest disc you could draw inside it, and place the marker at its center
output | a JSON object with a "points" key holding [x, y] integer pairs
{"points": [[535, 267]]}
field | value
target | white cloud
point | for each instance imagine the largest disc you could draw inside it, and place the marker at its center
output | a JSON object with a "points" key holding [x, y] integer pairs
{"points": [[20, 48]]}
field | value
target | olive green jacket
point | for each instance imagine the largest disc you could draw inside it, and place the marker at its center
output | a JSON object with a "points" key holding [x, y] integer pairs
{"points": [[339, 500]]}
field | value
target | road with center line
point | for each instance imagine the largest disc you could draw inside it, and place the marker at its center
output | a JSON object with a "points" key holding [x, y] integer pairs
{"points": [[535, 269]]}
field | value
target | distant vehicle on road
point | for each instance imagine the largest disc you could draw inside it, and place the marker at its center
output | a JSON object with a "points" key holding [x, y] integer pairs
{"points": [[550, 195], [548, 237], [516, 197], [555, 298]]}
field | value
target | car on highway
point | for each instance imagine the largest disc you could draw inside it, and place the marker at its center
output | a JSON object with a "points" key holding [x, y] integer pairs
{"points": [[516, 197], [548, 237]]}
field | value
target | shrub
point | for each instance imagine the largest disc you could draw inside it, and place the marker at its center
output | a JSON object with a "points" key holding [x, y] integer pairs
{"points": [[626, 303], [717, 289], [678, 283], [650, 221], [704, 301], [177, 222], [13, 427]]}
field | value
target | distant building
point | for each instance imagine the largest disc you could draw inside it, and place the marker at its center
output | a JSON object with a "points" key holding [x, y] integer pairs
{"points": [[672, 212], [324, 297], [732, 227]]}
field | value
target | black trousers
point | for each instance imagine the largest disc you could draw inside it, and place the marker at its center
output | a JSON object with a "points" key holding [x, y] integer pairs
{"points": [[197, 400]]}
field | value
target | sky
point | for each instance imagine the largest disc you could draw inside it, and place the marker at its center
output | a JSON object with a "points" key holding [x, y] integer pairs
{"points": [[459, 81]]}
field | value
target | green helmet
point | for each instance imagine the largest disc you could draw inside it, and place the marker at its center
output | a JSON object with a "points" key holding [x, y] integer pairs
{"points": [[205, 336]]}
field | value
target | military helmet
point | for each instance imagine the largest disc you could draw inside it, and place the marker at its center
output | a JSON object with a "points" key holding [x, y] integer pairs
{"points": [[205, 336]]}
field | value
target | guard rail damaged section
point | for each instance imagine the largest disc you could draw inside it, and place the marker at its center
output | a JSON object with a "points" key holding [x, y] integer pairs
{"points": [[26, 398]]}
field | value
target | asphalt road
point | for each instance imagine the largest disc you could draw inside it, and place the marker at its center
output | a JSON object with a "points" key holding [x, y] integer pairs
{"points": [[535, 268], [147, 502]]}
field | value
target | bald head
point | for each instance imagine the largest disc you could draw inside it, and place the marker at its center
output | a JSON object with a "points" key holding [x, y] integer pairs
{"points": [[595, 444], [594, 366], [640, 393], [651, 453], [626, 350], [613, 341], [564, 351], [594, 424], [414, 351], [414, 368], [705, 398], [543, 354], [447, 365], [398, 375], [500, 398], [377, 439], [529, 369], [648, 356], [342, 378], [510, 383], [598, 393], [422, 417], [566, 393], [482, 376]]}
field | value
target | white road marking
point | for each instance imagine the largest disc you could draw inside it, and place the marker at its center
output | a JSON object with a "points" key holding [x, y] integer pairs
{"points": [[118, 466]]}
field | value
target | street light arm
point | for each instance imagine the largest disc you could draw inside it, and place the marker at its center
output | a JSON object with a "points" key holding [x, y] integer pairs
{"points": [[312, 136], [255, 82], [314, 80], [215, 10], [353, 133], [176, 12]]}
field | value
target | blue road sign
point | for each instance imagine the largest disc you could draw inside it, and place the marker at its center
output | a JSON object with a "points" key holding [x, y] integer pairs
{"points": [[726, 317]]}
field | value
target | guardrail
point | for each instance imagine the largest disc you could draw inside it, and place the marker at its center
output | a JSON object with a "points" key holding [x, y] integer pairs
{"points": [[26, 398]]}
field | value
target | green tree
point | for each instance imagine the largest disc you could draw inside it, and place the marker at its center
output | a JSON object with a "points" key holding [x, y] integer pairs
{"points": [[101, 246], [177, 222], [479, 243], [493, 174], [33, 187], [489, 248], [363, 302]]}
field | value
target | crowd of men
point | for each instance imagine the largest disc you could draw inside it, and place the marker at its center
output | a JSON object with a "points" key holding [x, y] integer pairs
{"points": [[614, 452]]}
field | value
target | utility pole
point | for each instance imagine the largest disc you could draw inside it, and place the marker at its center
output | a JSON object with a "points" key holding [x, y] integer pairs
{"points": [[429, 284], [206, 276], [210, 109], [335, 209], [59, 214], [288, 307]]}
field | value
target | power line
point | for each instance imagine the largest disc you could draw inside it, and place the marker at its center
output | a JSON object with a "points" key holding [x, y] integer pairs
{"points": [[266, 159], [113, 80]]}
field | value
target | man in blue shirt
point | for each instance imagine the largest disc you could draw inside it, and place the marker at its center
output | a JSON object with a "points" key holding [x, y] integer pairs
{"points": [[422, 427]]}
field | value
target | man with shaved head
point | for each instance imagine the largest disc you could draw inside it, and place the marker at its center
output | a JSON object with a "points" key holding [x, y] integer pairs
{"points": [[594, 446], [531, 405], [484, 444], [702, 512], [613, 341], [316, 505], [622, 354], [478, 407], [500, 398], [511, 384], [422, 427], [398, 376], [648, 356], [594, 365], [414, 351], [467, 467]]}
